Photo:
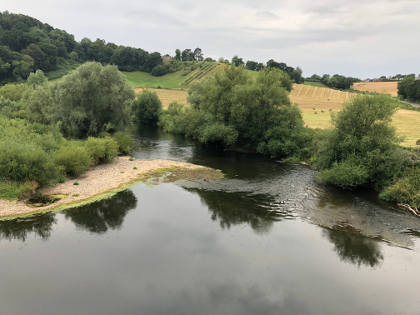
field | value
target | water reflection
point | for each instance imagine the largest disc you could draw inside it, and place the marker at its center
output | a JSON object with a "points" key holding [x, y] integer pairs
{"points": [[234, 208], [19, 229], [103, 215], [351, 246]]}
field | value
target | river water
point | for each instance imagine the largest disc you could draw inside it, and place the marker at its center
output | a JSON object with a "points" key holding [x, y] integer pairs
{"points": [[266, 239]]}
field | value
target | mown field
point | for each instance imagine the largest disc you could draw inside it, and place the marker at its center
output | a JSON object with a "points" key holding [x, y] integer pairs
{"points": [[390, 88], [175, 80]]}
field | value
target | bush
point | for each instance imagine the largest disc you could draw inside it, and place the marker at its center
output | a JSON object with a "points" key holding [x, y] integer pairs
{"points": [[406, 189], [73, 158], [160, 70], [346, 174], [146, 108], [102, 150], [91, 99], [363, 144], [26, 162], [125, 142], [13, 190]]}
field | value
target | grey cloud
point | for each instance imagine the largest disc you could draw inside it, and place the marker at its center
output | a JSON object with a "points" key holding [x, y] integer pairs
{"points": [[374, 37]]}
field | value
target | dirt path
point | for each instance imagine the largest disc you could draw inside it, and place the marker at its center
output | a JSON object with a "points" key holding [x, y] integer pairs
{"points": [[96, 182]]}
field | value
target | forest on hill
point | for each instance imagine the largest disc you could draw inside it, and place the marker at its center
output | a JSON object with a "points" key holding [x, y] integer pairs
{"points": [[27, 45]]}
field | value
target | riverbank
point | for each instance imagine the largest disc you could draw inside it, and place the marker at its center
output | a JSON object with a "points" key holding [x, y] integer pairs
{"points": [[105, 180]]}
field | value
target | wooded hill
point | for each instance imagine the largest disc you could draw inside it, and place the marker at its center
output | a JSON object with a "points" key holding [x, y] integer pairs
{"points": [[26, 45]]}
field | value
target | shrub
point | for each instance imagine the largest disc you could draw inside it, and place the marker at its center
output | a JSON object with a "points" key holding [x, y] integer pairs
{"points": [[406, 189], [73, 158], [10, 190], [91, 99], [160, 70], [345, 174], [102, 150], [125, 142], [363, 144], [26, 162], [146, 108]]}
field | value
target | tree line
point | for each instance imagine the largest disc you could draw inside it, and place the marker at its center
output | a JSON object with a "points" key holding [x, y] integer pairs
{"points": [[27, 45], [336, 81], [409, 88]]}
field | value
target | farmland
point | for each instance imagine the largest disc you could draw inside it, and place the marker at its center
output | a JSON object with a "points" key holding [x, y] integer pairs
{"points": [[176, 80], [390, 88]]}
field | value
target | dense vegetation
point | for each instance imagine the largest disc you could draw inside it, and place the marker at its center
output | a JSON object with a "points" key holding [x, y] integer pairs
{"points": [[46, 128], [409, 88], [27, 44], [232, 109], [336, 81], [362, 148]]}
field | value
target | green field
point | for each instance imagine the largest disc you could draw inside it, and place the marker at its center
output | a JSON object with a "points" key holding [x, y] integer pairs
{"points": [[176, 80], [144, 79], [312, 83]]}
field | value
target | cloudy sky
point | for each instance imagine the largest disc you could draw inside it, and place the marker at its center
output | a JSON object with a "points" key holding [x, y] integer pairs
{"points": [[358, 37]]}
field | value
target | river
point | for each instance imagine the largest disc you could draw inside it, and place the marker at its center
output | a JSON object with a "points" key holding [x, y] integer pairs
{"points": [[266, 239]]}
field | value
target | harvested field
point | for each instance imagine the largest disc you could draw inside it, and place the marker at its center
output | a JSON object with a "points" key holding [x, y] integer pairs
{"points": [[168, 96], [390, 88], [309, 97]]}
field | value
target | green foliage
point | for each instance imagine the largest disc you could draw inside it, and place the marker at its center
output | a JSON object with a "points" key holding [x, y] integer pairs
{"points": [[28, 45], [160, 70], [146, 108], [73, 158], [336, 81], [13, 92], [346, 174], [409, 88], [406, 189], [102, 150], [92, 99], [363, 140], [10, 190], [26, 162], [218, 133], [233, 109], [125, 142]]}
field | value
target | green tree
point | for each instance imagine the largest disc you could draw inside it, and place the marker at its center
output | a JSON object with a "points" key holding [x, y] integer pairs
{"points": [[178, 54], [146, 108], [92, 99], [362, 148]]}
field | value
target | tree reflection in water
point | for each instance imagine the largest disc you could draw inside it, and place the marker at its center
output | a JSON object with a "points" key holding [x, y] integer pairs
{"points": [[233, 208], [351, 246], [106, 214], [19, 229]]}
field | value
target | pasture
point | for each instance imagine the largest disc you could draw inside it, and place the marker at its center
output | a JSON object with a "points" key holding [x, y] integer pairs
{"points": [[175, 80], [390, 88]]}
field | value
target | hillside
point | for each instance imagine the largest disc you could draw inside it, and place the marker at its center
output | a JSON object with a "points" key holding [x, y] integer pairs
{"points": [[390, 88], [27, 44], [187, 75]]}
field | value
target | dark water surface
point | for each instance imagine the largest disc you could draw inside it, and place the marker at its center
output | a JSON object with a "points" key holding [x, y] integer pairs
{"points": [[267, 239]]}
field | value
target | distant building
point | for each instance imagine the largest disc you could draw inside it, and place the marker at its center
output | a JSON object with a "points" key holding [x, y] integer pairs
{"points": [[167, 58]]}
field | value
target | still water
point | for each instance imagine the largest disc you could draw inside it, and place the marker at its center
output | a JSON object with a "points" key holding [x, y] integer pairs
{"points": [[267, 239]]}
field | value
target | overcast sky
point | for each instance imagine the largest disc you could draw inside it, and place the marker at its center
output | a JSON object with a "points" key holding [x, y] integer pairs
{"points": [[358, 37]]}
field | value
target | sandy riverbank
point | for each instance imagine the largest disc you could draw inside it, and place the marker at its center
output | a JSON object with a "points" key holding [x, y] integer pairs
{"points": [[102, 181]]}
